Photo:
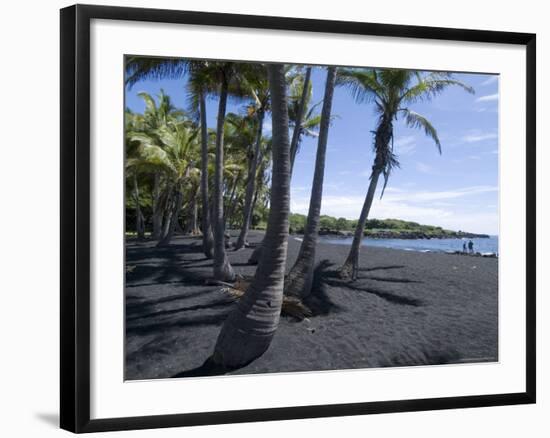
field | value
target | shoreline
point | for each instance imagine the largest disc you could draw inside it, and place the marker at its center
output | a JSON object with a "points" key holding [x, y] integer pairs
{"points": [[492, 254]]}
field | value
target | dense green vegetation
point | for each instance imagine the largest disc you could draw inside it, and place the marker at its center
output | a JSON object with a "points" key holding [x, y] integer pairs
{"points": [[374, 227]]}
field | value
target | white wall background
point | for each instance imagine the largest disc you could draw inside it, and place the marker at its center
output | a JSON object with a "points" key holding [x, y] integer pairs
{"points": [[29, 218]]}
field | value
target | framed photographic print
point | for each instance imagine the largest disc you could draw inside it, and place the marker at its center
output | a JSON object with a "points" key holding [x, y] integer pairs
{"points": [[269, 218]]}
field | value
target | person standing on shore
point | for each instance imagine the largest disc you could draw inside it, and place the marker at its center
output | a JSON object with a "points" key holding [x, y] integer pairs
{"points": [[471, 247], [464, 247]]}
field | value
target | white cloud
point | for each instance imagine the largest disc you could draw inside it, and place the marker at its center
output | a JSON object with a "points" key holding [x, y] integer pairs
{"points": [[491, 80], [487, 98], [479, 136], [427, 207], [405, 145], [424, 196]]}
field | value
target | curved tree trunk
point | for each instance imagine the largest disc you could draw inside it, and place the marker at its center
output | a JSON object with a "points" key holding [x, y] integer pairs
{"points": [[207, 238], [250, 327], [222, 269], [299, 119], [382, 139], [300, 278], [350, 267], [250, 186]]}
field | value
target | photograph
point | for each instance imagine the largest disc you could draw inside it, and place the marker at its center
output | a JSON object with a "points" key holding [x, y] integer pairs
{"points": [[284, 218]]}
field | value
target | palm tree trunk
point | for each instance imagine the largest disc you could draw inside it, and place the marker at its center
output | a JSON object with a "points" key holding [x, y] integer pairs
{"points": [[191, 219], [172, 220], [250, 327], [157, 213], [299, 119], [300, 278], [231, 198], [382, 139], [350, 267], [222, 269], [207, 238], [257, 253], [140, 229], [247, 213], [167, 213]]}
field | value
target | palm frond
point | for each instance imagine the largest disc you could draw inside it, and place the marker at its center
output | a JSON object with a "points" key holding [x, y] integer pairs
{"points": [[431, 86], [139, 68], [362, 83], [415, 120]]}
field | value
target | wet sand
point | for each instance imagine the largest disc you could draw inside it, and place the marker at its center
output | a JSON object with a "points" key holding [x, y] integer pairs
{"points": [[407, 308]]}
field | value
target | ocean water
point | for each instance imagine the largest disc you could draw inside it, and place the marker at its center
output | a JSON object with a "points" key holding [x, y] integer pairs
{"points": [[484, 246]]}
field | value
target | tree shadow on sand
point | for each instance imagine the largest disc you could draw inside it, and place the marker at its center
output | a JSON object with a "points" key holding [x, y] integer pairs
{"points": [[319, 301], [332, 278], [152, 322]]}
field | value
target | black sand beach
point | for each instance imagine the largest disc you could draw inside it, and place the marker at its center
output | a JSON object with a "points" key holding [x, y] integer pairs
{"points": [[406, 308]]}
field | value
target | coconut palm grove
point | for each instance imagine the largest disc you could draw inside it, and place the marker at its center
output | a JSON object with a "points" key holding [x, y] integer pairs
{"points": [[284, 218]]}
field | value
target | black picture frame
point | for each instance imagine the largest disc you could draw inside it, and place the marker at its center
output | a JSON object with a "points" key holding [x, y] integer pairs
{"points": [[75, 217]]}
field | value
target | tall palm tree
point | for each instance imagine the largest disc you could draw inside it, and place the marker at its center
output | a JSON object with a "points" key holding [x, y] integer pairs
{"points": [[247, 332], [392, 91], [222, 268], [303, 119], [259, 89], [300, 278], [198, 85]]}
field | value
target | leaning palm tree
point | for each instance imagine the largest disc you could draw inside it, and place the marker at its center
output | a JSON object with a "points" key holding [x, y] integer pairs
{"points": [[300, 278], [392, 91], [247, 332]]}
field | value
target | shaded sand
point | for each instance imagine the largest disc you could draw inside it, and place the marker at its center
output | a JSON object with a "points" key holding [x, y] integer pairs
{"points": [[406, 308]]}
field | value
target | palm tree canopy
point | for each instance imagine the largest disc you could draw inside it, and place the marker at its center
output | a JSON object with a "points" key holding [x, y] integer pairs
{"points": [[392, 91]]}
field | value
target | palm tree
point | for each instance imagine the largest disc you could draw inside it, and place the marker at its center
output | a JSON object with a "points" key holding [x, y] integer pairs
{"points": [[203, 75], [259, 88], [155, 116], [134, 122], [171, 149], [198, 85], [300, 278], [222, 269], [247, 332], [392, 91], [304, 121]]}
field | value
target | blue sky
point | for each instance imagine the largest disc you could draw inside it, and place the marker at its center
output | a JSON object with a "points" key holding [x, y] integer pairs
{"points": [[457, 190]]}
